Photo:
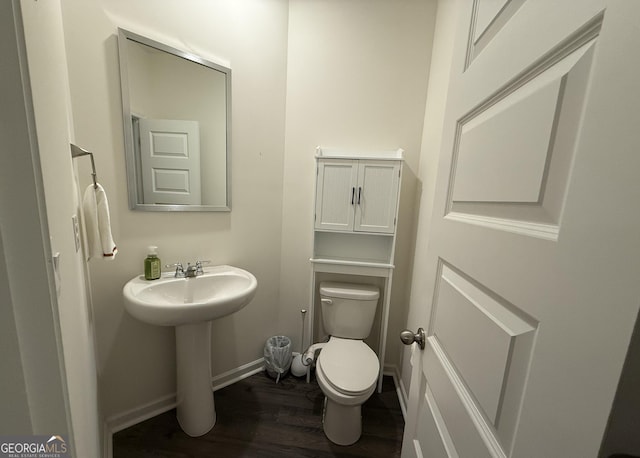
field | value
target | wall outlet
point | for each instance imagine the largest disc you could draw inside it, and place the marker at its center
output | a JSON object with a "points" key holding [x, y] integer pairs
{"points": [[76, 231]]}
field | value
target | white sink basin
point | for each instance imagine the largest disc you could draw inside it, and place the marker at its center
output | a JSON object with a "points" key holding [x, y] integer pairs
{"points": [[171, 301]]}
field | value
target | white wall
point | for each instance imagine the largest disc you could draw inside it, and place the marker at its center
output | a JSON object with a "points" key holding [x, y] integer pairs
{"points": [[352, 74], [137, 361], [357, 79], [49, 327], [50, 88], [33, 394], [443, 40]]}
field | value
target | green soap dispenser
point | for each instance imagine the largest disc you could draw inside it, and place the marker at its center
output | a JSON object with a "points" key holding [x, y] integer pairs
{"points": [[152, 268]]}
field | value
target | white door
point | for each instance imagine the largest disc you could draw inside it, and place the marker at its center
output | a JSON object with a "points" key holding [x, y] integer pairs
{"points": [[377, 196], [336, 194], [170, 159], [532, 269]]}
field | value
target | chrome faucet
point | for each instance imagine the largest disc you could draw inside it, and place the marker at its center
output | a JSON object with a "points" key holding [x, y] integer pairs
{"points": [[190, 271]]}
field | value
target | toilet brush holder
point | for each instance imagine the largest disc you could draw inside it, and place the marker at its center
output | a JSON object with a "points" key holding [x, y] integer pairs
{"points": [[298, 369]]}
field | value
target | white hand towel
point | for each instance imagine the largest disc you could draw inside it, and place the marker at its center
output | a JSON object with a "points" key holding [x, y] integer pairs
{"points": [[95, 207]]}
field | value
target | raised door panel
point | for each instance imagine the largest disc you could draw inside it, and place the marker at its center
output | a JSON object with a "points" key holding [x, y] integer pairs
{"points": [[431, 427], [377, 196], [488, 20], [335, 198], [486, 12], [502, 157], [485, 344], [513, 153]]}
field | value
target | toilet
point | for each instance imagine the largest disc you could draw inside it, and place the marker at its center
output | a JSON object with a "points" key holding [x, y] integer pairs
{"points": [[347, 368]]}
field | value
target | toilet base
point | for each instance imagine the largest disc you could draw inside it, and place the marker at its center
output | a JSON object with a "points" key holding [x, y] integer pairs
{"points": [[342, 424]]}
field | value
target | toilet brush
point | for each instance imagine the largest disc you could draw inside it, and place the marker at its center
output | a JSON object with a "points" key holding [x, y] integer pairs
{"points": [[297, 368]]}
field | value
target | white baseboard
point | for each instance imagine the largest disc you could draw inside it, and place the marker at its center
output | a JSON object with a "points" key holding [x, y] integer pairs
{"points": [[393, 371], [141, 413], [237, 374]]}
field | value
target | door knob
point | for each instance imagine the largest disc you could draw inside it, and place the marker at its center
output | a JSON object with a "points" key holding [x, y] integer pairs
{"points": [[408, 337]]}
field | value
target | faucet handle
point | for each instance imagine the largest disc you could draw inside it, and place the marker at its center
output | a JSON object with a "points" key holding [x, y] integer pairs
{"points": [[199, 268], [178, 266]]}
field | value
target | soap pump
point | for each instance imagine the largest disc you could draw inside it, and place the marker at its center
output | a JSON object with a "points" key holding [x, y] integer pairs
{"points": [[152, 264]]}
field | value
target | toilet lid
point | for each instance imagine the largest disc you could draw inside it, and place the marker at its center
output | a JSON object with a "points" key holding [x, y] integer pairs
{"points": [[349, 365]]}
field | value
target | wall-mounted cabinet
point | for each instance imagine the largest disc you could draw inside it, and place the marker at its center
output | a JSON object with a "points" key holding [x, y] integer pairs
{"points": [[357, 195], [356, 211]]}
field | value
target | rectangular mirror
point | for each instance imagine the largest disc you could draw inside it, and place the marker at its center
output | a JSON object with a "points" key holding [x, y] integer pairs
{"points": [[177, 127]]}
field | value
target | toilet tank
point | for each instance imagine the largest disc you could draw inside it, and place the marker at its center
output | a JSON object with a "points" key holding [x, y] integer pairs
{"points": [[348, 309]]}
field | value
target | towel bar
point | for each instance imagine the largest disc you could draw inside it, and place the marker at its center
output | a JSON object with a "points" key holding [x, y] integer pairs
{"points": [[76, 151]]}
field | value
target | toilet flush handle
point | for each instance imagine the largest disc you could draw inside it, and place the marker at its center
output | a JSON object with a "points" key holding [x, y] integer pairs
{"points": [[326, 301]]}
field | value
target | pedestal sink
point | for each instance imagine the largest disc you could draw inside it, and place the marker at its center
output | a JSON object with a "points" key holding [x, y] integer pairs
{"points": [[190, 304]]}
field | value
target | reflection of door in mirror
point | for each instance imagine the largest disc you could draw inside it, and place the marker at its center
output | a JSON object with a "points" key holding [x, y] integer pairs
{"points": [[170, 161]]}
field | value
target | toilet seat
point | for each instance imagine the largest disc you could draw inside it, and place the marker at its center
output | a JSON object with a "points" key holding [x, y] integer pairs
{"points": [[350, 366]]}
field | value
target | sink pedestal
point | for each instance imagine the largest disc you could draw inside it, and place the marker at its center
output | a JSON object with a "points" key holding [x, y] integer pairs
{"points": [[195, 408]]}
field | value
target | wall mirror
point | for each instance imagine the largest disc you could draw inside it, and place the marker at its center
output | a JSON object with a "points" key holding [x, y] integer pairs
{"points": [[177, 127]]}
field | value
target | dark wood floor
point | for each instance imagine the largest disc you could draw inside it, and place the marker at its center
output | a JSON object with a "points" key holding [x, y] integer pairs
{"points": [[258, 418]]}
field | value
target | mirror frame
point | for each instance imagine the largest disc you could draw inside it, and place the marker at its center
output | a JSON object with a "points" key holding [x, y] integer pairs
{"points": [[124, 36]]}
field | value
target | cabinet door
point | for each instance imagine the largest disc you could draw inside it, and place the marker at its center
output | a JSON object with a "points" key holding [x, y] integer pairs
{"points": [[377, 196], [336, 194]]}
